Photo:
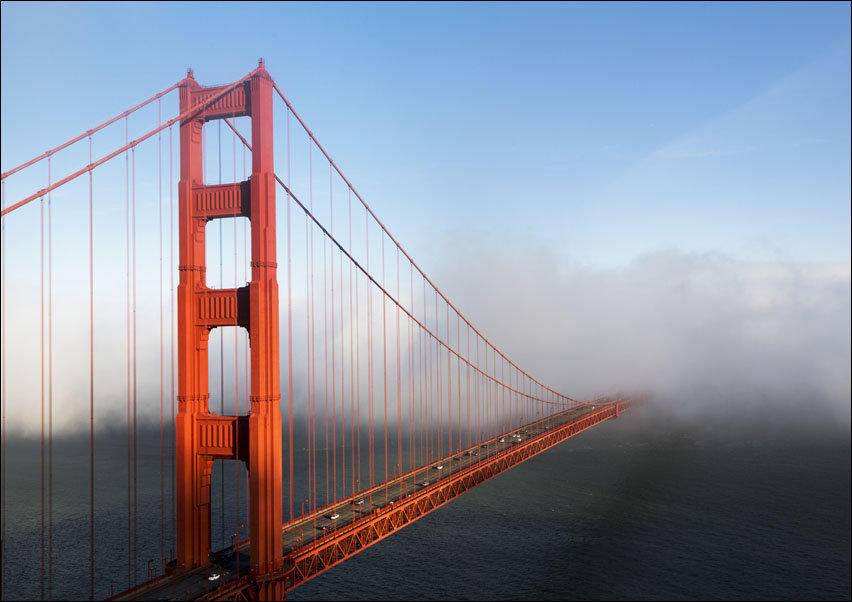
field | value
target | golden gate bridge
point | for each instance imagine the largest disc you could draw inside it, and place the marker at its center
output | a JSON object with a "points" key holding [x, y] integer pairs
{"points": [[374, 402]]}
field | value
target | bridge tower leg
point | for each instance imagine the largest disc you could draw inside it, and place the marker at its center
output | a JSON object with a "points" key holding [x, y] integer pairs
{"points": [[203, 436]]}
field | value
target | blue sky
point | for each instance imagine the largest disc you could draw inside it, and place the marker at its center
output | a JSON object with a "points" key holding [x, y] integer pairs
{"points": [[608, 130], [667, 177], [620, 196]]}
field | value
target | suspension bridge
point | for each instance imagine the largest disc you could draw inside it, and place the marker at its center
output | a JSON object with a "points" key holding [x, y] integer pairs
{"points": [[350, 404]]}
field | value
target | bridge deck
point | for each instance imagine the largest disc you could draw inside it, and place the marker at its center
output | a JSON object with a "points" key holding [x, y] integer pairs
{"points": [[315, 542]]}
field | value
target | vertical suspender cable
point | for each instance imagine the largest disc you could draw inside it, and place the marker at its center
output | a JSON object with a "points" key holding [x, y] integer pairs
{"points": [[325, 353], [358, 371], [41, 288], [513, 401], [368, 297], [476, 376], [485, 413], [385, 361], [135, 440], [438, 385], [333, 355], [289, 322], [427, 378], [91, 386], [313, 331], [435, 359], [430, 390], [441, 378], [127, 267], [356, 421], [435, 396], [495, 400], [424, 394], [308, 314], [420, 373], [398, 377], [430, 387], [3, 384], [342, 383], [411, 448], [172, 335], [449, 386], [467, 376], [498, 402], [49, 390], [489, 411], [162, 371], [351, 352], [458, 375]]}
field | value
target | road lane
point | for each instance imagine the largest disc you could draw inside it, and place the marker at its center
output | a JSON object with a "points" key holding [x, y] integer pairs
{"points": [[231, 564]]}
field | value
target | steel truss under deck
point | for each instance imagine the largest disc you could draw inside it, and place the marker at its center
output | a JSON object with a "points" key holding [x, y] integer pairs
{"points": [[318, 556]]}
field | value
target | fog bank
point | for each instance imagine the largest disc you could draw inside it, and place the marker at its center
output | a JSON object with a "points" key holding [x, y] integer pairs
{"points": [[702, 333]]}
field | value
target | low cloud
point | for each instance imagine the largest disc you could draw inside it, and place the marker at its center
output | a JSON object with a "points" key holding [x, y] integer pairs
{"points": [[703, 333]]}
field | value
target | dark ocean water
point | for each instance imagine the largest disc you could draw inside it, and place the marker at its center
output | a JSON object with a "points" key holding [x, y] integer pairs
{"points": [[623, 512], [632, 509]]}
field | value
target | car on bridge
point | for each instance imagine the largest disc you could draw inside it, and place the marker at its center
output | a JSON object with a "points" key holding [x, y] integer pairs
{"points": [[334, 516]]}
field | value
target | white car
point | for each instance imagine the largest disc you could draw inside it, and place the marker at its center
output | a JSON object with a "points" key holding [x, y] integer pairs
{"points": [[359, 502], [213, 577], [425, 483], [334, 516], [502, 439], [439, 467]]}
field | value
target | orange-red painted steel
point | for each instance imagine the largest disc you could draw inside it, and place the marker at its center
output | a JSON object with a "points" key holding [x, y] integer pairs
{"points": [[191, 113], [407, 256], [88, 133], [203, 437], [316, 557]]}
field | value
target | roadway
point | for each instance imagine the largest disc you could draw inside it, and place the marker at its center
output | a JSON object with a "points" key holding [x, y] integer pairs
{"points": [[231, 564]]}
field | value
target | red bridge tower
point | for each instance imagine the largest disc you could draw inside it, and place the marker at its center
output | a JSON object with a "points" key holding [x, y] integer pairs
{"points": [[202, 436]]}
